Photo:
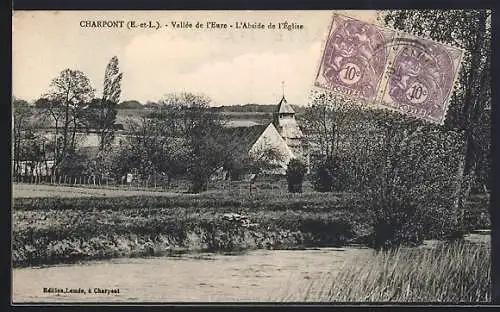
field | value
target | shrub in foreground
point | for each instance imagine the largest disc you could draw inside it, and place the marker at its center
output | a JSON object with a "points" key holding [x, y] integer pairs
{"points": [[322, 177], [414, 193]]}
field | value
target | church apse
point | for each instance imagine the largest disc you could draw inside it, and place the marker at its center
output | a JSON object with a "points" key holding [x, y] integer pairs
{"points": [[287, 126]]}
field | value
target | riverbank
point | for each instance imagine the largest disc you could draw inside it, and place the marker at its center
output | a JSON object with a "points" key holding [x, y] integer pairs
{"points": [[67, 230], [59, 230]]}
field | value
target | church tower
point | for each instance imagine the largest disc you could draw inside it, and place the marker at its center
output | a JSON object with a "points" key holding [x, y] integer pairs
{"points": [[285, 123]]}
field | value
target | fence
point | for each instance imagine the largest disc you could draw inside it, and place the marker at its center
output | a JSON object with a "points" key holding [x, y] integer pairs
{"points": [[98, 181], [158, 183]]}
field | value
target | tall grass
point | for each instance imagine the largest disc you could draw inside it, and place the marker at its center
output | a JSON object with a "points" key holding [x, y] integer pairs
{"points": [[451, 273]]}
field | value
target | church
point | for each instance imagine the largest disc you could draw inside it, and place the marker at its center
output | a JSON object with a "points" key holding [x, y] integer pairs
{"points": [[283, 135]]}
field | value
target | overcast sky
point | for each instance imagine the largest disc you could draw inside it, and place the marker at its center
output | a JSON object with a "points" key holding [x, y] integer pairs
{"points": [[231, 66]]}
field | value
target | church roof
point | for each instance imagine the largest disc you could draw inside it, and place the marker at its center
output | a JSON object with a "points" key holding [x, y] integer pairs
{"points": [[284, 107], [271, 139], [241, 139], [291, 130]]}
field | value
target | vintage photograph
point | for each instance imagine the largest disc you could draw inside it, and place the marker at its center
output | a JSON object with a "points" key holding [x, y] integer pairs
{"points": [[333, 156]]}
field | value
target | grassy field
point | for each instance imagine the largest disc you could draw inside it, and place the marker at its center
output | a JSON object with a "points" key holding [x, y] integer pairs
{"points": [[451, 273], [44, 190]]}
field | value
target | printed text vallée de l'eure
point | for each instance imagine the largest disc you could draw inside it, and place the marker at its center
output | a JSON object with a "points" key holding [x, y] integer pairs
{"points": [[241, 25]]}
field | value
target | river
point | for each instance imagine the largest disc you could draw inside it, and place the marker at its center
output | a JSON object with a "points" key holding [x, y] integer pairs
{"points": [[255, 276], [260, 275]]}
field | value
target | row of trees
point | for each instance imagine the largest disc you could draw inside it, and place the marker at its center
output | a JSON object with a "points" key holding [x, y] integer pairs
{"points": [[182, 137], [70, 107], [185, 137]]}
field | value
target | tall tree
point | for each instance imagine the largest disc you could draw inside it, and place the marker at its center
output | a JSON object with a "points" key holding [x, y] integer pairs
{"points": [[110, 98], [471, 100], [333, 124], [53, 113], [68, 93]]}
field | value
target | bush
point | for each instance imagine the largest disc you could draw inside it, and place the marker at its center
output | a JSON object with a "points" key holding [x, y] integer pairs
{"points": [[322, 177], [339, 173], [295, 173], [75, 163], [414, 192]]}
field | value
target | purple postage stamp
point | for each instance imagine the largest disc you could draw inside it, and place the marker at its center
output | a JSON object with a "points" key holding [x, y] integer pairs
{"points": [[354, 58], [401, 72], [420, 78]]}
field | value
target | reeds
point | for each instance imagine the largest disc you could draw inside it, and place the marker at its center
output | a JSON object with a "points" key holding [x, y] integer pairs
{"points": [[450, 273]]}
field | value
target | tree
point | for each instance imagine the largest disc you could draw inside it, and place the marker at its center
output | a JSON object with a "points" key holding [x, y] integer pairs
{"points": [[21, 119], [69, 92], [110, 98], [411, 188], [323, 119], [471, 100], [330, 121], [19, 103], [29, 146], [43, 103], [149, 150], [188, 116], [182, 136], [51, 111]]}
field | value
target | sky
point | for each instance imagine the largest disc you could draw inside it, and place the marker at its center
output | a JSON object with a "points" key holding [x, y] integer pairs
{"points": [[231, 66]]}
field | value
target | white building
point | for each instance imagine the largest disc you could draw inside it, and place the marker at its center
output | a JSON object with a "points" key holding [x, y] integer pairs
{"points": [[283, 135]]}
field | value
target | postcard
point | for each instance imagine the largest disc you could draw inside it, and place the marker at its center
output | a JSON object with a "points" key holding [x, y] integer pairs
{"points": [[333, 156]]}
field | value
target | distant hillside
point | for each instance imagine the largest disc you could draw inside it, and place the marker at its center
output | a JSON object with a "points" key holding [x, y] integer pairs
{"points": [[130, 105], [247, 108], [253, 108], [237, 108]]}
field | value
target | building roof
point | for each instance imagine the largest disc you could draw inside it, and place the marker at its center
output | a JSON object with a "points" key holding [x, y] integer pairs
{"points": [[284, 107], [241, 139], [271, 139], [291, 130]]}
